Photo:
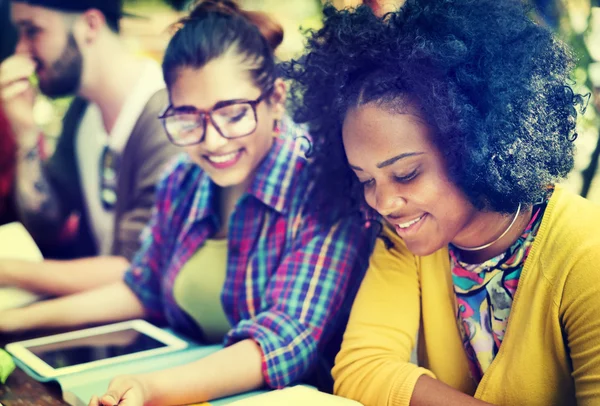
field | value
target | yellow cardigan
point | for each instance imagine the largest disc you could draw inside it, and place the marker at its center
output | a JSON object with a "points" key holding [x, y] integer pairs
{"points": [[551, 351]]}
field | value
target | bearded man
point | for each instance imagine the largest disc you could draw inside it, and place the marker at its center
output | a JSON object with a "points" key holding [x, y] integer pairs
{"points": [[94, 195]]}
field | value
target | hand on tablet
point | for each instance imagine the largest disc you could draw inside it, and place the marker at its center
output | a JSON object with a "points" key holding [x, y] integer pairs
{"points": [[123, 391]]}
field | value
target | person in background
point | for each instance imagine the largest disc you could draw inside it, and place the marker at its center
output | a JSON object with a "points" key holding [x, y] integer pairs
{"points": [[237, 251], [7, 143], [454, 121], [97, 189]]}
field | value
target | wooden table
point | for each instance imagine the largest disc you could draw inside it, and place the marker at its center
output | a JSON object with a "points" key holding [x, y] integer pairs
{"points": [[22, 390]]}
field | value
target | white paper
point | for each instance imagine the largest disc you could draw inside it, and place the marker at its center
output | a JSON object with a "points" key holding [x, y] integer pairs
{"points": [[295, 396], [16, 243]]}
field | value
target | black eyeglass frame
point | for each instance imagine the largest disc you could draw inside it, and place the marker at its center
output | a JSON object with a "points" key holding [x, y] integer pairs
{"points": [[207, 115]]}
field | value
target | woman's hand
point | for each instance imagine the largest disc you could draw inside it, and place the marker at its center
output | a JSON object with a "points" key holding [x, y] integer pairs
{"points": [[230, 371], [123, 391]]}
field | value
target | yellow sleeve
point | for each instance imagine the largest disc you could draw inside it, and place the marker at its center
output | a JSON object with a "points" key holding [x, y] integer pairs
{"points": [[580, 310], [373, 365]]}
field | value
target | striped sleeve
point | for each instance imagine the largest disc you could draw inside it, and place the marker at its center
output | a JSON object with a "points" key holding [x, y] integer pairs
{"points": [[144, 275], [302, 297]]}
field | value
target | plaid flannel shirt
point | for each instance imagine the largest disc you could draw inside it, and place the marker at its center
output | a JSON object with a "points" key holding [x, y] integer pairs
{"points": [[290, 279]]}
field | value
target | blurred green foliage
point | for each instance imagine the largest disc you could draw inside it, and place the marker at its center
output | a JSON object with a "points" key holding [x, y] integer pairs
{"points": [[575, 25]]}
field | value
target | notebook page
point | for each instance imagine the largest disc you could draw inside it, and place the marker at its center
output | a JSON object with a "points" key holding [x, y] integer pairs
{"points": [[295, 396], [16, 243]]}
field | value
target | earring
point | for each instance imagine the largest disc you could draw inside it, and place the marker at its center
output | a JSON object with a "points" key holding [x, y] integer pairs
{"points": [[276, 128]]}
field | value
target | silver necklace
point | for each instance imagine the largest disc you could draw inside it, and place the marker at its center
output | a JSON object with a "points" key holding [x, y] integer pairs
{"points": [[489, 244]]}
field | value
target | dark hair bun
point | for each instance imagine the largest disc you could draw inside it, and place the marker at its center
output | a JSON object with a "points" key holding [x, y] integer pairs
{"points": [[268, 27]]}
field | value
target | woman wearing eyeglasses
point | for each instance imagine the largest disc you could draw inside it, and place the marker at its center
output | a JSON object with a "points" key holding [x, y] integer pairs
{"points": [[236, 251], [454, 121]]}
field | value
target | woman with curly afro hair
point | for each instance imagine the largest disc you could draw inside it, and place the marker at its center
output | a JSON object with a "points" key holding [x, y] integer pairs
{"points": [[452, 121]]}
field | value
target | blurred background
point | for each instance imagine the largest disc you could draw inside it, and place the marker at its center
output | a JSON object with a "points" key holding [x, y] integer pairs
{"points": [[575, 21]]}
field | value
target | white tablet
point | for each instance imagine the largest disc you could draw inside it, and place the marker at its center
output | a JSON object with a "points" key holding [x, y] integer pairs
{"points": [[77, 351]]}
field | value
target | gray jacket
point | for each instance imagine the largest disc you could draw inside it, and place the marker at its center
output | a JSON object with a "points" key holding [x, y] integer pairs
{"points": [[144, 157]]}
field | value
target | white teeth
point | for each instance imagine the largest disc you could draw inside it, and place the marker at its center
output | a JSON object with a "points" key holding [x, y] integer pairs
{"points": [[219, 159], [410, 223]]}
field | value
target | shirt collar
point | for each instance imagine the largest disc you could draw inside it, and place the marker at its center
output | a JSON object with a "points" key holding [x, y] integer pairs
{"points": [[205, 192], [276, 174], [272, 183]]}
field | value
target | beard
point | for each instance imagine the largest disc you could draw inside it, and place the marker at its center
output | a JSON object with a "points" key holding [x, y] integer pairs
{"points": [[63, 77]]}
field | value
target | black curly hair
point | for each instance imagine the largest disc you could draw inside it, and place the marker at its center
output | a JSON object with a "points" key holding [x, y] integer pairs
{"points": [[493, 84]]}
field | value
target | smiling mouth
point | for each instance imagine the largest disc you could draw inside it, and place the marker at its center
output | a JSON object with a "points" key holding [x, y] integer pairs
{"points": [[224, 161], [221, 159], [410, 223]]}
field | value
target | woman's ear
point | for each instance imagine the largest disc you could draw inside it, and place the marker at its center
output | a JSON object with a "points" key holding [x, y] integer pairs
{"points": [[278, 98]]}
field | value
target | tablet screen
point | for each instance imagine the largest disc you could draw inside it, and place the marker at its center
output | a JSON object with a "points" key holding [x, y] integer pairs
{"points": [[93, 348]]}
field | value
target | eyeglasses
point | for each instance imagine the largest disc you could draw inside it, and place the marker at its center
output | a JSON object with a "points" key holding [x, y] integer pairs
{"points": [[109, 168], [231, 118]]}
